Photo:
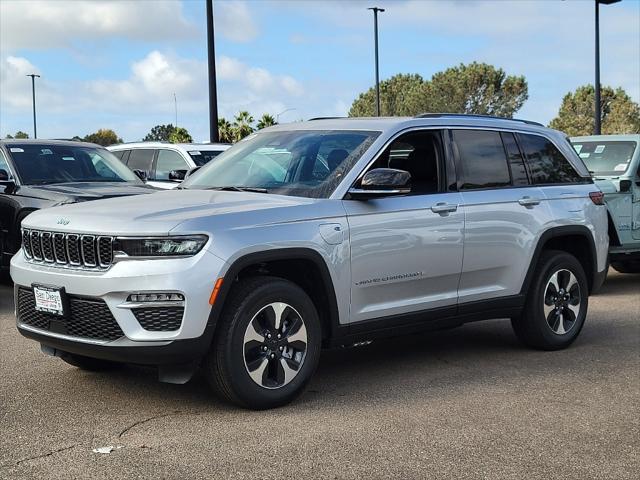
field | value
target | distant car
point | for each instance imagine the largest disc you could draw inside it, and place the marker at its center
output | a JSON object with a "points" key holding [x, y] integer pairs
{"points": [[36, 174], [165, 165], [614, 161]]}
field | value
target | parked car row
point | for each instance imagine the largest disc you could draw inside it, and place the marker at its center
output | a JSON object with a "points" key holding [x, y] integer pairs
{"points": [[321, 233]]}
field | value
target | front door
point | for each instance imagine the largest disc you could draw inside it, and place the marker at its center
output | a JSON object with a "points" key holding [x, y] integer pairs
{"points": [[406, 252]]}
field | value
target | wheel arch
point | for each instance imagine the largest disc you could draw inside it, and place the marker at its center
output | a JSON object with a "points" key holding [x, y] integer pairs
{"points": [[574, 239]]}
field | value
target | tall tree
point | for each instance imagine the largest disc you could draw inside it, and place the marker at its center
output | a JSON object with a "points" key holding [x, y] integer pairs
{"points": [[104, 137], [620, 114], [225, 130], [475, 88], [21, 135], [180, 135], [159, 133], [242, 125], [265, 121]]}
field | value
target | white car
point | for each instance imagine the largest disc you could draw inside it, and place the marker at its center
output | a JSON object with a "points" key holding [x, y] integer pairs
{"points": [[165, 165]]}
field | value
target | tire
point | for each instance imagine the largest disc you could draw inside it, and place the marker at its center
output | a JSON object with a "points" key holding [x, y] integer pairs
{"points": [[248, 369], [539, 326], [631, 266], [87, 363]]}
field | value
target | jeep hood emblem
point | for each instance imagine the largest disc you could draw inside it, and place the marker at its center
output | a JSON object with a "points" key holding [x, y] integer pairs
{"points": [[63, 221]]}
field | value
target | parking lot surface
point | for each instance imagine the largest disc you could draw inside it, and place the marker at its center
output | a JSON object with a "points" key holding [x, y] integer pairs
{"points": [[464, 403]]}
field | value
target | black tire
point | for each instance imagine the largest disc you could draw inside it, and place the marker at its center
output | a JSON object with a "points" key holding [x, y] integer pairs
{"points": [[552, 331], [631, 266], [226, 366], [87, 363]]}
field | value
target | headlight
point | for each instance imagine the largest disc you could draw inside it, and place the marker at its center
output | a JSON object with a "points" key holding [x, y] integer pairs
{"points": [[160, 246]]}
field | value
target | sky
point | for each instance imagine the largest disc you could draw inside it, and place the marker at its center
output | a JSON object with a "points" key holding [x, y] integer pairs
{"points": [[118, 64]]}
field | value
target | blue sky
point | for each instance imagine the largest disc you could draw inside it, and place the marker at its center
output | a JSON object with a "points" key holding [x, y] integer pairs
{"points": [[117, 64]]}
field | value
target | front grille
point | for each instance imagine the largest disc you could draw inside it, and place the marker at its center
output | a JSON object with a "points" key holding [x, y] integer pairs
{"points": [[159, 319], [87, 318], [68, 249]]}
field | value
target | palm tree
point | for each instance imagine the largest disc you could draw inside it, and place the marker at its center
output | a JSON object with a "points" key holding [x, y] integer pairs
{"points": [[266, 121], [225, 130], [242, 125]]}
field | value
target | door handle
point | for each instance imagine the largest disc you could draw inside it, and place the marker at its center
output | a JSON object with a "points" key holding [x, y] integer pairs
{"points": [[529, 201], [444, 208]]}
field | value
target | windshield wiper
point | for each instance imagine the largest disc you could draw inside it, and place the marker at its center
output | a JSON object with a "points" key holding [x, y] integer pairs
{"points": [[232, 188]]}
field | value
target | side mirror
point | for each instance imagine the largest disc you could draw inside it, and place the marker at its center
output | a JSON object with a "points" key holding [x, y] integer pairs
{"points": [[625, 185], [4, 175], [192, 171], [6, 182], [141, 174], [177, 175], [382, 182]]}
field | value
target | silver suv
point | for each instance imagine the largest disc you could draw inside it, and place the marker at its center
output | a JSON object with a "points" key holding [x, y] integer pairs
{"points": [[323, 233]]}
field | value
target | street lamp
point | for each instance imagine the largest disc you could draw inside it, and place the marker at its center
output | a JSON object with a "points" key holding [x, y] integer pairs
{"points": [[284, 111], [33, 95], [598, 107], [375, 32]]}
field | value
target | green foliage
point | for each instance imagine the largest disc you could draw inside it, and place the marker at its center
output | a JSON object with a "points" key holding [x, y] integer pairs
{"points": [[19, 135], [225, 130], [180, 135], [619, 115], [265, 121], [242, 125], [475, 88], [159, 133], [104, 137]]}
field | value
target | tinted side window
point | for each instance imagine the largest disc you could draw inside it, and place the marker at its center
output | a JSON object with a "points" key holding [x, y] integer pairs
{"points": [[546, 163], [119, 154], [482, 158], [169, 160], [140, 159], [516, 162]]}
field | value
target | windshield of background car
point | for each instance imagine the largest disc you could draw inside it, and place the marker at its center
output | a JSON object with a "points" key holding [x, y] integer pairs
{"points": [[611, 158], [41, 164], [303, 163], [202, 157]]}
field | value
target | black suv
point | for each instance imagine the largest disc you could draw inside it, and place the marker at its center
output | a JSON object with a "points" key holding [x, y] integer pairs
{"points": [[38, 174]]}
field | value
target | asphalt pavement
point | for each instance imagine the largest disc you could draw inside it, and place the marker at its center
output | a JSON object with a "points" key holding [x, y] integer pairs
{"points": [[464, 403]]}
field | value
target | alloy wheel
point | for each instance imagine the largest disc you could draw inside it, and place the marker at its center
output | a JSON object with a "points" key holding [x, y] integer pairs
{"points": [[562, 301]]}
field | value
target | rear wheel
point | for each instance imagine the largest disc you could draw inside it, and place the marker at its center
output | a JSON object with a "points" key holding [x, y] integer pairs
{"points": [[267, 344], [556, 304], [87, 363], [631, 266]]}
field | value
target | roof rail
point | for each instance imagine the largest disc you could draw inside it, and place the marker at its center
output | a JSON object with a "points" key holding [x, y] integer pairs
{"points": [[324, 118], [476, 115]]}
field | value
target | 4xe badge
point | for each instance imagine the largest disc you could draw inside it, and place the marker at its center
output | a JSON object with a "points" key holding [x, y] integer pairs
{"points": [[63, 221]]}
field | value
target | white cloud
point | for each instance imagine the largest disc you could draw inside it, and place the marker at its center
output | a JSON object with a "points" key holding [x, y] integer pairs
{"points": [[256, 79], [46, 24], [234, 21]]}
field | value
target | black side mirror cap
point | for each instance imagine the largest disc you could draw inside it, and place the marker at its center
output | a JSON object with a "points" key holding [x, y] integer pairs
{"points": [[177, 175], [141, 174], [625, 185], [192, 171], [382, 182]]}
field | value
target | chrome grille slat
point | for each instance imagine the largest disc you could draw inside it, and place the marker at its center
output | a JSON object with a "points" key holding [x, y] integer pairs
{"points": [[69, 250]]}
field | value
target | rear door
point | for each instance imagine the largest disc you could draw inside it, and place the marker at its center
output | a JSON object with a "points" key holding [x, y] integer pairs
{"points": [[503, 214]]}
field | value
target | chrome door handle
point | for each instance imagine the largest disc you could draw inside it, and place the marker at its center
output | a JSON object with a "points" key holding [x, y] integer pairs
{"points": [[444, 208], [529, 201]]}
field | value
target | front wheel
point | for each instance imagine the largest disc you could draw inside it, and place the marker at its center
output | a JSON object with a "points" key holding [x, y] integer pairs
{"points": [[267, 344], [556, 304]]}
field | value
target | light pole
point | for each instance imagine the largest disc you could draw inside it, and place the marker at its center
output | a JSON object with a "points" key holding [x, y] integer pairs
{"points": [[375, 33], [284, 111], [175, 104], [598, 106], [33, 96], [213, 94]]}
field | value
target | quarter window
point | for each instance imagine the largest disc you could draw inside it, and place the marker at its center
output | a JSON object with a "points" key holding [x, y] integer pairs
{"points": [[169, 160], [140, 159], [482, 158], [546, 164]]}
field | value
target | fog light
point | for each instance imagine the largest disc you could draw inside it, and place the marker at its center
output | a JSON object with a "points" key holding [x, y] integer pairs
{"points": [[156, 297]]}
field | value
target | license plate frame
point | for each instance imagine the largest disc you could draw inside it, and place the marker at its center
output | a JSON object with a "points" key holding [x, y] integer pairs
{"points": [[50, 299]]}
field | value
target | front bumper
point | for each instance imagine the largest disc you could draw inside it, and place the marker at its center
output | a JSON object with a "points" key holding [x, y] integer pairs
{"points": [[193, 277]]}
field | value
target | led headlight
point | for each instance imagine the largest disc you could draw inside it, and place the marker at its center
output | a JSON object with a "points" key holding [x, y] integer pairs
{"points": [[161, 246]]}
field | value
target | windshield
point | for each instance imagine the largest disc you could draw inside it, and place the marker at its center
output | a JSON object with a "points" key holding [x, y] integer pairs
{"points": [[611, 158], [202, 157], [41, 164], [298, 163]]}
